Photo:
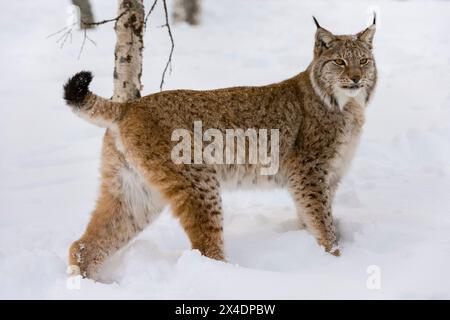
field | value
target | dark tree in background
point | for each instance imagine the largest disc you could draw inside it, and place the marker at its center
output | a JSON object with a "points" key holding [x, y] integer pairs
{"points": [[86, 14], [187, 10]]}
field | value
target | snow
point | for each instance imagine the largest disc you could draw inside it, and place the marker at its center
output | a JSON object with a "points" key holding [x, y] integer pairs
{"points": [[392, 209]]}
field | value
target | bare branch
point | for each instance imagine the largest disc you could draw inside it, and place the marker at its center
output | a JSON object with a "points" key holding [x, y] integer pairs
{"points": [[66, 35], [91, 40], [106, 21], [168, 65], [85, 37], [149, 13], [67, 32], [59, 31], [169, 60], [82, 43]]}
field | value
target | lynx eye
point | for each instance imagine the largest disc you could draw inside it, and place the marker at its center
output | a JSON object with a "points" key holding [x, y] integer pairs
{"points": [[363, 61], [339, 62]]}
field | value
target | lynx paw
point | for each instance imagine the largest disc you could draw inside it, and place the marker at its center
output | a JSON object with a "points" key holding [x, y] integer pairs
{"points": [[82, 261], [334, 250]]}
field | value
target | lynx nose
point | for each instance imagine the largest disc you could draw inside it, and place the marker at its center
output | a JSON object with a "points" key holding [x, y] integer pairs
{"points": [[355, 78]]}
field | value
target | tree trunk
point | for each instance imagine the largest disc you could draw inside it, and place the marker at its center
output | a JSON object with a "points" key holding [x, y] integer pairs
{"points": [[128, 53], [187, 11], [86, 14]]}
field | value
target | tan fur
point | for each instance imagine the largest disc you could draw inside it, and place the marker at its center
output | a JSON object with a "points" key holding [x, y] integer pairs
{"points": [[319, 124]]}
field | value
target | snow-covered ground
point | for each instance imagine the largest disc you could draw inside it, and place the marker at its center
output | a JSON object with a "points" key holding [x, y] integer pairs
{"points": [[393, 209]]}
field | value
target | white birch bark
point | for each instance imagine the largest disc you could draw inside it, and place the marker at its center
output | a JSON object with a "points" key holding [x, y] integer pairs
{"points": [[128, 53]]}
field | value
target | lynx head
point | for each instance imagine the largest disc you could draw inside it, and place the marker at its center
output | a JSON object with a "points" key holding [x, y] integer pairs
{"points": [[343, 66]]}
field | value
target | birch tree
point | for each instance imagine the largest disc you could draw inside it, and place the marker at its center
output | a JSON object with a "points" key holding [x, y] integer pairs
{"points": [[128, 52]]}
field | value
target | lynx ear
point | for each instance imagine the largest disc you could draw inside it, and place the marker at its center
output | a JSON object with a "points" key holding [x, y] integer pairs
{"points": [[367, 34], [323, 38]]}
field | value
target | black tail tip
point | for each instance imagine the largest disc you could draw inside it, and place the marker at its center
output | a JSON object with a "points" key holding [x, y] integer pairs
{"points": [[77, 87]]}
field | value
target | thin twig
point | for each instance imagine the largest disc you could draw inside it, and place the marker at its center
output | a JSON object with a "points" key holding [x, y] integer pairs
{"points": [[106, 21], [91, 40], [149, 13], [85, 36], [59, 31], [67, 32], [169, 60], [64, 37], [82, 44]]}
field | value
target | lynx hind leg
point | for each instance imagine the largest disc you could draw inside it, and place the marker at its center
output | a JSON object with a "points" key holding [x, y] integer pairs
{"points": [[111, 227], [193, 192], [313, 201], [124, 208]]}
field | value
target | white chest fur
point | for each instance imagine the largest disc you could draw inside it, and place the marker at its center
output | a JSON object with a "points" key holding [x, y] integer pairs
{"points": [[348, 141]]}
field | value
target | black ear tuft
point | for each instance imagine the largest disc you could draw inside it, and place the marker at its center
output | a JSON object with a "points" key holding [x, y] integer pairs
{"points": [[316, 22], [76, 89]]}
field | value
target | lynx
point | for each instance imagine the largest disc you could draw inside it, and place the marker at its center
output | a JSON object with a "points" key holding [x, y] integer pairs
{"points": [[319, 114]]}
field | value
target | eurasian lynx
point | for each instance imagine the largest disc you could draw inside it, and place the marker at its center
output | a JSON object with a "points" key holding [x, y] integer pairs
{"points": [[319, 114]]}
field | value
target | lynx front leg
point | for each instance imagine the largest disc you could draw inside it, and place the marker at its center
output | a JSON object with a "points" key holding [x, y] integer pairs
{"points": [[313, 201], [201, 215], [203, 225], [193, 192]]}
